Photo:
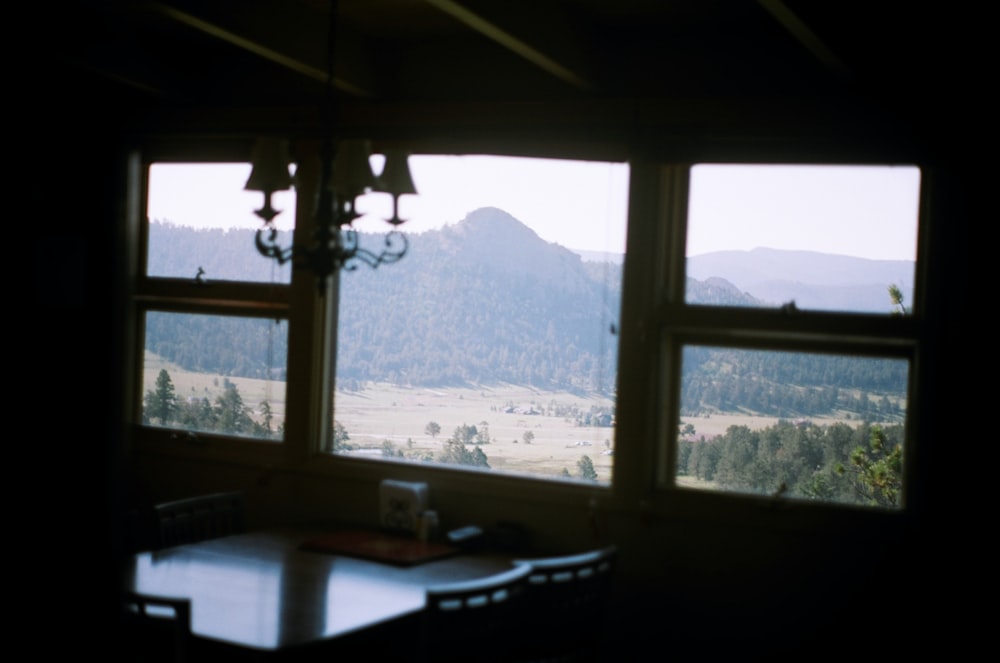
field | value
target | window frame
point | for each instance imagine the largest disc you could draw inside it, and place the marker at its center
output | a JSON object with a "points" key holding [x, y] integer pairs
{"points": [[667, 323], [655, 321], [223, 298]]}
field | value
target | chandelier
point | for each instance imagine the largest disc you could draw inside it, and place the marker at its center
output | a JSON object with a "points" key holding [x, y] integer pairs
{"points": [[345, 174]]}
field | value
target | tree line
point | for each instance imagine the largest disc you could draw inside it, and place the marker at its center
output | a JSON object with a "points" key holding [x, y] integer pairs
{"points": [[832, 463], [226, 414]]}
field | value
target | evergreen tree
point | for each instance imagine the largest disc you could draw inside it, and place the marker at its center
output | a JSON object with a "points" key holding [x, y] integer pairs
{"points": [[456, 453], [340, 440], [479, 458], [896, 296], [586, 467], [233, 415], [878, 470], [268, 416], [161, 403]]}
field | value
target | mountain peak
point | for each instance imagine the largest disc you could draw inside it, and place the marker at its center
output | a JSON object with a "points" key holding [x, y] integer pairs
{"points": [[493, 223], [489, 236]]}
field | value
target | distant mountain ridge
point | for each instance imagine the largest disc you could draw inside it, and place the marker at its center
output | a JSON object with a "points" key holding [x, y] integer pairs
{"points": [[811, 279], [487, 301]]}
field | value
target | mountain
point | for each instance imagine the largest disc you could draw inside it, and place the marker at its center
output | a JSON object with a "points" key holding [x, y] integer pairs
{"points": [[482, 301], [487, 301], [811, 279]]}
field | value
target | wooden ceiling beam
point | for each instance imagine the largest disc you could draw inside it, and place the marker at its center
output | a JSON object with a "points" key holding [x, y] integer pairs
{"points": [[802, 33], [540, 35], [300, 46]]}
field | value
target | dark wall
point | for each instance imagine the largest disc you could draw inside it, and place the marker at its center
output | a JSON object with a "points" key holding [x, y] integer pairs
{"points": [[75, 132], [76, 141]]}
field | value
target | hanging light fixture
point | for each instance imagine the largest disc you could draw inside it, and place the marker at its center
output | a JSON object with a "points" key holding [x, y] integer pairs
{"points": [[345, 174]]}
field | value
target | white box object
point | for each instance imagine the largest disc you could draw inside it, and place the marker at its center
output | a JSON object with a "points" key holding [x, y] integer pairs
{"points": [[401, 503]]}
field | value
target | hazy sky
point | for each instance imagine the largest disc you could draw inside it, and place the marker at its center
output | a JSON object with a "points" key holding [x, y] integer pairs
{"points": [[580, 205], [867, 212]]}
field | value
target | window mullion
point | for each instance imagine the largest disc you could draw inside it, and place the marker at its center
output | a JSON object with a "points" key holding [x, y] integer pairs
{"points": [[654, 273], [309, 326]]}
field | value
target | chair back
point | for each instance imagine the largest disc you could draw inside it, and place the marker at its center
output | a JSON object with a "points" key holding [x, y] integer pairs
{"points": [[155, 629], [473, 620], [567, 598], [199, 518]]}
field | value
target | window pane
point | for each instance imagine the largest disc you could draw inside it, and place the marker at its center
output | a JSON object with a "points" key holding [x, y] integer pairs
{"points": [[202, 224], [215, 374], [491, 345], [810, 426], [831, 238]]}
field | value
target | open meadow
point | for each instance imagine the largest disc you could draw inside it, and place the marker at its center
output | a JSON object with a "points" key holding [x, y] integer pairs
{"points": [[530, 431], [525, 433], [400, 414]]}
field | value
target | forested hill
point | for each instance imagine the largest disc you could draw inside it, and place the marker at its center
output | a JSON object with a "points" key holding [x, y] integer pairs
{"points": [[483, 301], [479, 302]]}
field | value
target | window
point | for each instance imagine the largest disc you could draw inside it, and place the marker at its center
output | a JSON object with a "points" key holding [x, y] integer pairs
{"points": [[215, 374], [830, 238], [761, 340], [214, 321], [788, 357], [200, 218], [492, 345]]}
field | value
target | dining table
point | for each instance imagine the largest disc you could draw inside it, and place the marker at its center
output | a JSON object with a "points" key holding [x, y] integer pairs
{"points": [[279, 592]]}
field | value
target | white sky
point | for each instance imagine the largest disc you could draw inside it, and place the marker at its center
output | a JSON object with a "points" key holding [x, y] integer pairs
{"points": [[865, 212], [580, 205]]}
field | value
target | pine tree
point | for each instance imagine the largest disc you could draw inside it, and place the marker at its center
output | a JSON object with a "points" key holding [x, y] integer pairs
{"points": [[878, 470], [161, 403]]}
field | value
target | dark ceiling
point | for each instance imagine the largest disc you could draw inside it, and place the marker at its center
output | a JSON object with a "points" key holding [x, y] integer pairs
{"points": [[268, 51], [740, 56]]}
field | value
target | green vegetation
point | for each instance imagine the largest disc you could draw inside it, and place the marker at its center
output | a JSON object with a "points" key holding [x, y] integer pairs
{"points": [[455, 451], [876, 472], [800, 460], [228, 415], [341, 440], [896, 297], [586, 468]]}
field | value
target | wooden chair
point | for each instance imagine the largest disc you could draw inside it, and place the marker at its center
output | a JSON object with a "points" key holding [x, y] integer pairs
{"points": [[199, 518], [566, 602], [155, 629], [473, 620]]}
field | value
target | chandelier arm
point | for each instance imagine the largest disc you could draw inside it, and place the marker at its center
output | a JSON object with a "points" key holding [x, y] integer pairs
{"points": [[396, 244], [266, 241]]}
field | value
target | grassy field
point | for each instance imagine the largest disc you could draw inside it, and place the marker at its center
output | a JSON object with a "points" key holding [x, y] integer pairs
{"points": [[188, 385], [399, 415]]}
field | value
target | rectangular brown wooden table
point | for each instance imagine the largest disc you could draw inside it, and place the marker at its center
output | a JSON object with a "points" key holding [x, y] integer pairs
{"points": [[262, 593]]}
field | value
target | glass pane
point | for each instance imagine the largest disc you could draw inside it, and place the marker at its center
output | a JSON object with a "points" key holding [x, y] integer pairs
{"points": [[215, 374], [492, 344], [837, 238], [808, 426], [202, 224]]}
